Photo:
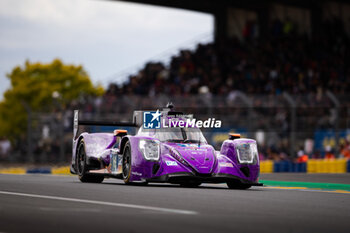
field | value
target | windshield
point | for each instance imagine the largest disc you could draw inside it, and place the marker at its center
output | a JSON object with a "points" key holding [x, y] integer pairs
{"points": [[190, 135]]}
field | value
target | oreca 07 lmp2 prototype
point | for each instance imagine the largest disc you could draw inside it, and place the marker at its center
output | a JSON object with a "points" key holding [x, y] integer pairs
{"points": [[177, 155]]}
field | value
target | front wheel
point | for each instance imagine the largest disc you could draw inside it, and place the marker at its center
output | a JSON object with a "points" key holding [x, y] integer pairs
{"points": [[237, 185], [82, 168], [127, 164]]}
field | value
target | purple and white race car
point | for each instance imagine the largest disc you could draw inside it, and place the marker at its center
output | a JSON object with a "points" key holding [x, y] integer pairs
{"points": [[177, 155]]}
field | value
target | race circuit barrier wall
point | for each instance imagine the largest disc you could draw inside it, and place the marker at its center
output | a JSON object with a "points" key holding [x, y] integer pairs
{"points": [[287, 166], [64, 170], [327, 166], [266, 166], [311, 166]]}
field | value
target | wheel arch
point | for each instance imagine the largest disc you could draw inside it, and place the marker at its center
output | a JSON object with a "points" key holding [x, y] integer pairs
{"points": [[122, 144], [76, 145]]}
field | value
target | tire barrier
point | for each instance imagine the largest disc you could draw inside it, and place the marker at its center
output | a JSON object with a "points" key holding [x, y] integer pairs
{"points": [[327, 166], [266, 166], [287, 166], [40, 170], [311, 166]]}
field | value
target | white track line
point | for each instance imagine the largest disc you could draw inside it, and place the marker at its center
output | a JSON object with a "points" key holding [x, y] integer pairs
{"points": [[143, 207]]}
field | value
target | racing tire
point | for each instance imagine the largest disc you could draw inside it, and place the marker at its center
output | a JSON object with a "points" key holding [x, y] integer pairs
{"points": [[237, 185], [82, 168], [126, 163], [190, 184]]}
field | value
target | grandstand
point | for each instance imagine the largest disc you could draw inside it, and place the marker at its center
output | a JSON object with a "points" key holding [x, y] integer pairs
{"points": [[231, 15], [289, 58]]}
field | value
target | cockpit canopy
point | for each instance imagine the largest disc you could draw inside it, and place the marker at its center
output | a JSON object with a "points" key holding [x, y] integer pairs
{"points": [[175, 134]]}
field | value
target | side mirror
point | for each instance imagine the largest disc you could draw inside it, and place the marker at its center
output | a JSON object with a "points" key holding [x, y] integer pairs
{"points": [[233, 136], [120, 132]]}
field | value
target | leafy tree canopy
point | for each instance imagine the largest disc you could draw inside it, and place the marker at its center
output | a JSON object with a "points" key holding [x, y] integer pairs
{"points": [[38, 86]]}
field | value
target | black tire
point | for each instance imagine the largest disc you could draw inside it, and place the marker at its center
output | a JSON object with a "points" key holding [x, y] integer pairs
{"points": [[237, 185], [82, 169], [192, 184], [126, 163]]}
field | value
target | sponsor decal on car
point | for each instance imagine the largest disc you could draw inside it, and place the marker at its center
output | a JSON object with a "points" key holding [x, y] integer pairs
{"points": [[226, 164], [187, 145], [194, 148], [190, 147], [136, 173], [171, 163]]}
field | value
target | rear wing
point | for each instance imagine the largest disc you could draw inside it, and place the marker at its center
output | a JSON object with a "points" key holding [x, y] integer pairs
{"points": [[77, 122]]}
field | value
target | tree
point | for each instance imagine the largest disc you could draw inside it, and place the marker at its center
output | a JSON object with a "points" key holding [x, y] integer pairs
{"points": [[34, 86]]}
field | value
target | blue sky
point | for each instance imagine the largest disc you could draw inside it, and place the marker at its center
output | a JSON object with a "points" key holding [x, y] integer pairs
{"points": [[109, 38]]}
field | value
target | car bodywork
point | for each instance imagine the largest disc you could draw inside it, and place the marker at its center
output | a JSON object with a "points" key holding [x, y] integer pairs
{"points": [[155, 160]]}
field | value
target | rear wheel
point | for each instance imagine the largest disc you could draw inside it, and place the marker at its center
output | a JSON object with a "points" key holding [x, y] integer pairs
{"points": [[127, 163], [237, 185], [82, 168]]}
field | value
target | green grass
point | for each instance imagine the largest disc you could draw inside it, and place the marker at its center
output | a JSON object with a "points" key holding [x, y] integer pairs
{"points": [[331, 186]]}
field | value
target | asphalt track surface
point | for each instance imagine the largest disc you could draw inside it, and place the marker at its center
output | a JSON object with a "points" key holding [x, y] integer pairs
{"points": [[46, 203]]}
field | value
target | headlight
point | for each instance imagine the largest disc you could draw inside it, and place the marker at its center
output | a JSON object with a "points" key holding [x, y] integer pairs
{"points": [[247, 153], [150, 149]]}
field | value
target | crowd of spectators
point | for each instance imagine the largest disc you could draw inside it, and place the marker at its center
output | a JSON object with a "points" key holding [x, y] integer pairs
{"points": [[285, 61], [281, 153], [305, 66]]}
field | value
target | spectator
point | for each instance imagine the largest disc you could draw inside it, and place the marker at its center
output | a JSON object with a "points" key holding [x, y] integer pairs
{"points": [[329, 154]]}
